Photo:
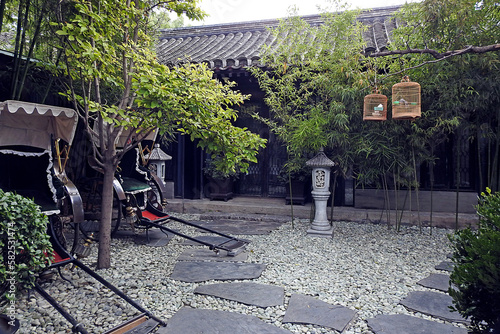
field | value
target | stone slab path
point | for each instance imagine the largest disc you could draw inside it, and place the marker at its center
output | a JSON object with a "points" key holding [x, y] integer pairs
{"points": [[156, 238], [445, 265], [213, 239], [432, 303], [202, 264], [204, 254], [406, 324], [439, 282], [248, 227], [194, 321], [247, 293], [309, 310], [193, 272]]}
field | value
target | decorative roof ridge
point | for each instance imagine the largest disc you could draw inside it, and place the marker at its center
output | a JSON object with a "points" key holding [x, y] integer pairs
{"points": [[242, 27], [320, 160]]}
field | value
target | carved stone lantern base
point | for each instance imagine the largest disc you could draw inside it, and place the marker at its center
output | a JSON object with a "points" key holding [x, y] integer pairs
{"points": [[318, 233], [321, 181], [320, 225]]}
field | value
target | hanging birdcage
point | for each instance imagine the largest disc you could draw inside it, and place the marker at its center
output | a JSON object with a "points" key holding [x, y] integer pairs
{"points": [[375, 107], [406, 99]]}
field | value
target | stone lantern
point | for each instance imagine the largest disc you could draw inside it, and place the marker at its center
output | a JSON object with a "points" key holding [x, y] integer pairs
{"points": [[156, 159], [321, 182]]}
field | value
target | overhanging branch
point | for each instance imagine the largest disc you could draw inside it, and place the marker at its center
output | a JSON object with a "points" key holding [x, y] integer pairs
{"points": [[439, 55]]}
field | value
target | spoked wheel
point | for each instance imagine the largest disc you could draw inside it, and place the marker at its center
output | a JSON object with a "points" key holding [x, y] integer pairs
{"points": [[90, 226], [155, 198], [69, 230], [57, 227]]}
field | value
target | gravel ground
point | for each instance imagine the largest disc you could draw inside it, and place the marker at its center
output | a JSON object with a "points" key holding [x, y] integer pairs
{"points": [[364, 267]]}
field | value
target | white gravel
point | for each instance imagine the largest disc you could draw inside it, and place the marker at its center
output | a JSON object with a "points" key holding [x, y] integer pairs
{"points": [[365, 267]]}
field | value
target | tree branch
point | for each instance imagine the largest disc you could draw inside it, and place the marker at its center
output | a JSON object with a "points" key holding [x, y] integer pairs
{"points": [[440, 55], [417, 66]]}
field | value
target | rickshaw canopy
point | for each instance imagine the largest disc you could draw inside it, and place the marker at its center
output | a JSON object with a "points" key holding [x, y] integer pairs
{"points": [[32, 124]]}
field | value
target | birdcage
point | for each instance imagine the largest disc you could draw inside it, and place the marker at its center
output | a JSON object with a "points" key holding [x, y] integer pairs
{"points": [[406, 99], [375, 107]]}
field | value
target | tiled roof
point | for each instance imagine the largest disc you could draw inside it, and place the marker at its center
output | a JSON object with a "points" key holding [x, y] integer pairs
{"points": [[320, 160], [237, 45], [157, 154]]}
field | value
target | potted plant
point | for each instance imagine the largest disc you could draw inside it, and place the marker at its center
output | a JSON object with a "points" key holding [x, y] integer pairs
{"points": [[297, 176], [220, 181]]}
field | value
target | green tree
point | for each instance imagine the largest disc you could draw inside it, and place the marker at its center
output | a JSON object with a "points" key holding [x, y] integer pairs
{"points": [[315, 78], [476, 272], [25, 29], [311, 80], [452, 49], [116, 84]]}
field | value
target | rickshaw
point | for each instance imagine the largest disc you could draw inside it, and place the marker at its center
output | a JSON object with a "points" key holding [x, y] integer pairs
{"points": [[34, 149], [139, 200], [35, 144]]}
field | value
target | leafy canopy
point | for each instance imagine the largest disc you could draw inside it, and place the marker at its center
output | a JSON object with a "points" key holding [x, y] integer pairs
{"points": [[109, 53], [310, 79]]}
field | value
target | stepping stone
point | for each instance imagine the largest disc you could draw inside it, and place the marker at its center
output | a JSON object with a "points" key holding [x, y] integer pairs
{"points": [[156, 238], [194, 321], [405, 324], [246, 293], [308, 310], [432, 303], [204, 254], [187, 271], [439, 282], [445, 265], [230, 226], [212, 239]]}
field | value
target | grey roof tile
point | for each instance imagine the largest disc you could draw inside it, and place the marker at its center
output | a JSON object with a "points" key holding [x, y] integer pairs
{"points": [[237, 45]]}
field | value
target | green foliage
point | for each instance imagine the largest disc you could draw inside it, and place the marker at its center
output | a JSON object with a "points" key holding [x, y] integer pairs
{"points": [[26, 33], [296, 169], [24, 243], [189, 100], [315, 81], [460, 92], [445, 25], [476, 273], [117, 84], [311, 79], [143, 94]]}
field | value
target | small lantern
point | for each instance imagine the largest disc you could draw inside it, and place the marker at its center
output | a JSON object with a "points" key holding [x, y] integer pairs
{"points": [[321, 182], [406, 99], [156, 159], [375, 107]]}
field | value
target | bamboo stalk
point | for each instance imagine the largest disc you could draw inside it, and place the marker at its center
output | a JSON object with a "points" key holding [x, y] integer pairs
{"points": [[416, 189], [291, 197], [457, 190], [431, 172], [396, 193], [333, 197]]}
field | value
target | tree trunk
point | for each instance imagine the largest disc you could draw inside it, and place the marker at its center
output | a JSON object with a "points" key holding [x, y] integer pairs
{"points": [[104, 255]]}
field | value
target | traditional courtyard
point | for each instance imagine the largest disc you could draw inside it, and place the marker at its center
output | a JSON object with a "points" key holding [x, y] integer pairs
{"points": [[365, 279]]}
